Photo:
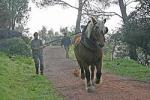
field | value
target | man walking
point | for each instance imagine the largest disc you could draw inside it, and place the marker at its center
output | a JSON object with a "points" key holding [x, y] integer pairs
{"points": [[66, 41], [37, 53]]}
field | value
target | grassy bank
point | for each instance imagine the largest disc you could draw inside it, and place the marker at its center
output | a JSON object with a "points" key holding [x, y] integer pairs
{"points": [[123, 67], [128, 68], [19, 82]]}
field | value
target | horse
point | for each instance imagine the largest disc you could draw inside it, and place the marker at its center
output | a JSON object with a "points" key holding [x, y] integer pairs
{"points": [[88, 51]]}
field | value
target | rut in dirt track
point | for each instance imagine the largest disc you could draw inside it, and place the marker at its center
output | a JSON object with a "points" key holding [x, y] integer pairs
{"points": [[59, 70]]}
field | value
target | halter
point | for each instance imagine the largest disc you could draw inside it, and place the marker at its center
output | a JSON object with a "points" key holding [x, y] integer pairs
{"points": [[88, 42]]}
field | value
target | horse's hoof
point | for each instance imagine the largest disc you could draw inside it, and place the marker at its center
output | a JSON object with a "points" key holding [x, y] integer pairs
{"points": [[90, 89], [93, 87], [82, 76], [97, 81], [92, 83]]}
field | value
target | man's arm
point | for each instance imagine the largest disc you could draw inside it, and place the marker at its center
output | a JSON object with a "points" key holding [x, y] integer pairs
{"points": [[62, 41], [36, 48], [32, 46], [41, 45]]}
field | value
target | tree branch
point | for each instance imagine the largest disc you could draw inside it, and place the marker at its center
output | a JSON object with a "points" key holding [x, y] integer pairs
{"points": [[129, 2], [102, 12], [84, 2], [65, 3]]}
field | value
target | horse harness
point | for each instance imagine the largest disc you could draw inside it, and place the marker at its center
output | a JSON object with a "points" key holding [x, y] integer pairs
{"points": [[89, 44]]}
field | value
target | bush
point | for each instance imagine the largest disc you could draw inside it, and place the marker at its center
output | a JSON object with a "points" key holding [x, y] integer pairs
{"points": [[15, 46]]}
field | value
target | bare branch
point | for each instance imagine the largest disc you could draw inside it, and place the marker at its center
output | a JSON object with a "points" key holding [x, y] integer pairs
{"points": [[129, 2], [45, 3], [94, 12], [84, 2], [65, 3]]}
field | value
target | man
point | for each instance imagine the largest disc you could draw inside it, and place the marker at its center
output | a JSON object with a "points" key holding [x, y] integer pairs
{"points": [[66, 41], [37, 53]]}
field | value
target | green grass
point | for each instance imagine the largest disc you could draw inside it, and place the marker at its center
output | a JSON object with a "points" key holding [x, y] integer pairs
{"points": [[19, 82], [71, 52], [128, 68], [123, 67]]}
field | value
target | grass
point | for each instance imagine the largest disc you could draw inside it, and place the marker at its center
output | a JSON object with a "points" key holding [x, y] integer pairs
{"points": [[71, 53], [19, 82], [128, 68], [123, 67]]}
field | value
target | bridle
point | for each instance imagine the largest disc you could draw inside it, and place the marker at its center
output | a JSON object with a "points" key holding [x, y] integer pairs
{"points": [[90, 43]]}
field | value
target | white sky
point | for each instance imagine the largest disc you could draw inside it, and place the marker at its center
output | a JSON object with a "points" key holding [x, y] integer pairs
{"points": [[56, 17]]}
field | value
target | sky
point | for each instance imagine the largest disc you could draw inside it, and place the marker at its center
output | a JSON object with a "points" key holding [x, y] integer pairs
{"points": [[56, 17]]}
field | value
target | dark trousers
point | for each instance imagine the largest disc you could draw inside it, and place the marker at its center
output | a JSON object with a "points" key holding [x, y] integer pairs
{"points": [[67, 51], [38, 60]]}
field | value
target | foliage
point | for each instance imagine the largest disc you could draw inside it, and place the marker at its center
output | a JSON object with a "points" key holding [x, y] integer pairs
{"points": [[3, 15], [136, 32], [18, 81], [50, 35], [135, 29], [15, 46], [15, 11], [43, 33], [64, 30]]}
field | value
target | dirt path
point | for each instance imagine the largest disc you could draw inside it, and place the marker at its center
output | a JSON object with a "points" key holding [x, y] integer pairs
{"points": [[60, 71]]}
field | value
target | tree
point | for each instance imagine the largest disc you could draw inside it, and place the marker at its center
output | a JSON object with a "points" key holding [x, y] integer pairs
{"points": [[64, 30], [139, 27], [85, 7], [16, 11], [50, 34], [20, 28], [123, 4], [3, 15], [43, 33], [135, 32]]}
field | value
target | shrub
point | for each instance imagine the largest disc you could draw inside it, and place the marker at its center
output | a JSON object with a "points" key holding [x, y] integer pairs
{"points": [[15, 46]]}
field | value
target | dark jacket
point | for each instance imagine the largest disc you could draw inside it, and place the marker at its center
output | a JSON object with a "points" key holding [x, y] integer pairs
{"points": [[66, 41]]}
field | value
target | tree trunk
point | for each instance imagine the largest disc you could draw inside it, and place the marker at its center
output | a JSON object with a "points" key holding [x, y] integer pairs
{"points": [[13, 23], [77, 30], [146, 59], [123, 11], [132, 48], [113, 50], [132, 52]]}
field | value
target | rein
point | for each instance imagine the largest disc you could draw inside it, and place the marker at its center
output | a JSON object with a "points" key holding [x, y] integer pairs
{"points": [[90, 44], [47, 44]]}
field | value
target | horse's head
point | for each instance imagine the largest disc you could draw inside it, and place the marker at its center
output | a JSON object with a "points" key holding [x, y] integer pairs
{"points": [[96, 30]]}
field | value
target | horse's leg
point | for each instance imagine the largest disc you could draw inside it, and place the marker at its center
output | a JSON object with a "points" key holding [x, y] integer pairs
{"points": [[82, 71], [87, 74], [92, 74], [79, 62], [98, 73]]}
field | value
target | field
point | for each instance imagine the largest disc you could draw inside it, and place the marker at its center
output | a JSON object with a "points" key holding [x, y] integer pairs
{"points": [[19, 82]]}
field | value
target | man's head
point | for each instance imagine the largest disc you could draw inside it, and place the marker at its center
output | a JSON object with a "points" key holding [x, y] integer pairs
{"points": [[65, 33], [36, 35]]}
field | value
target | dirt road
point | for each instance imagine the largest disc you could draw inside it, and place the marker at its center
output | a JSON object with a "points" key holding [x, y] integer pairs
{"points": [[59, 70]]}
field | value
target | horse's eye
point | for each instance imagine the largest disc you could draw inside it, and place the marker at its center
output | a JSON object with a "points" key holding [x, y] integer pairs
{"points": [[96, 27]]}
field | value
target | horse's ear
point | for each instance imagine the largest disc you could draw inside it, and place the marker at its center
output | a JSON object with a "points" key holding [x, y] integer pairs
{"points": [[106, 30], [104, 20], [93, 20]]}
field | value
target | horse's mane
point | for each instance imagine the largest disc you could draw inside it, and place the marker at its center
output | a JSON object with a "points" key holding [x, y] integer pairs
{"points": [[87, 29]]}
